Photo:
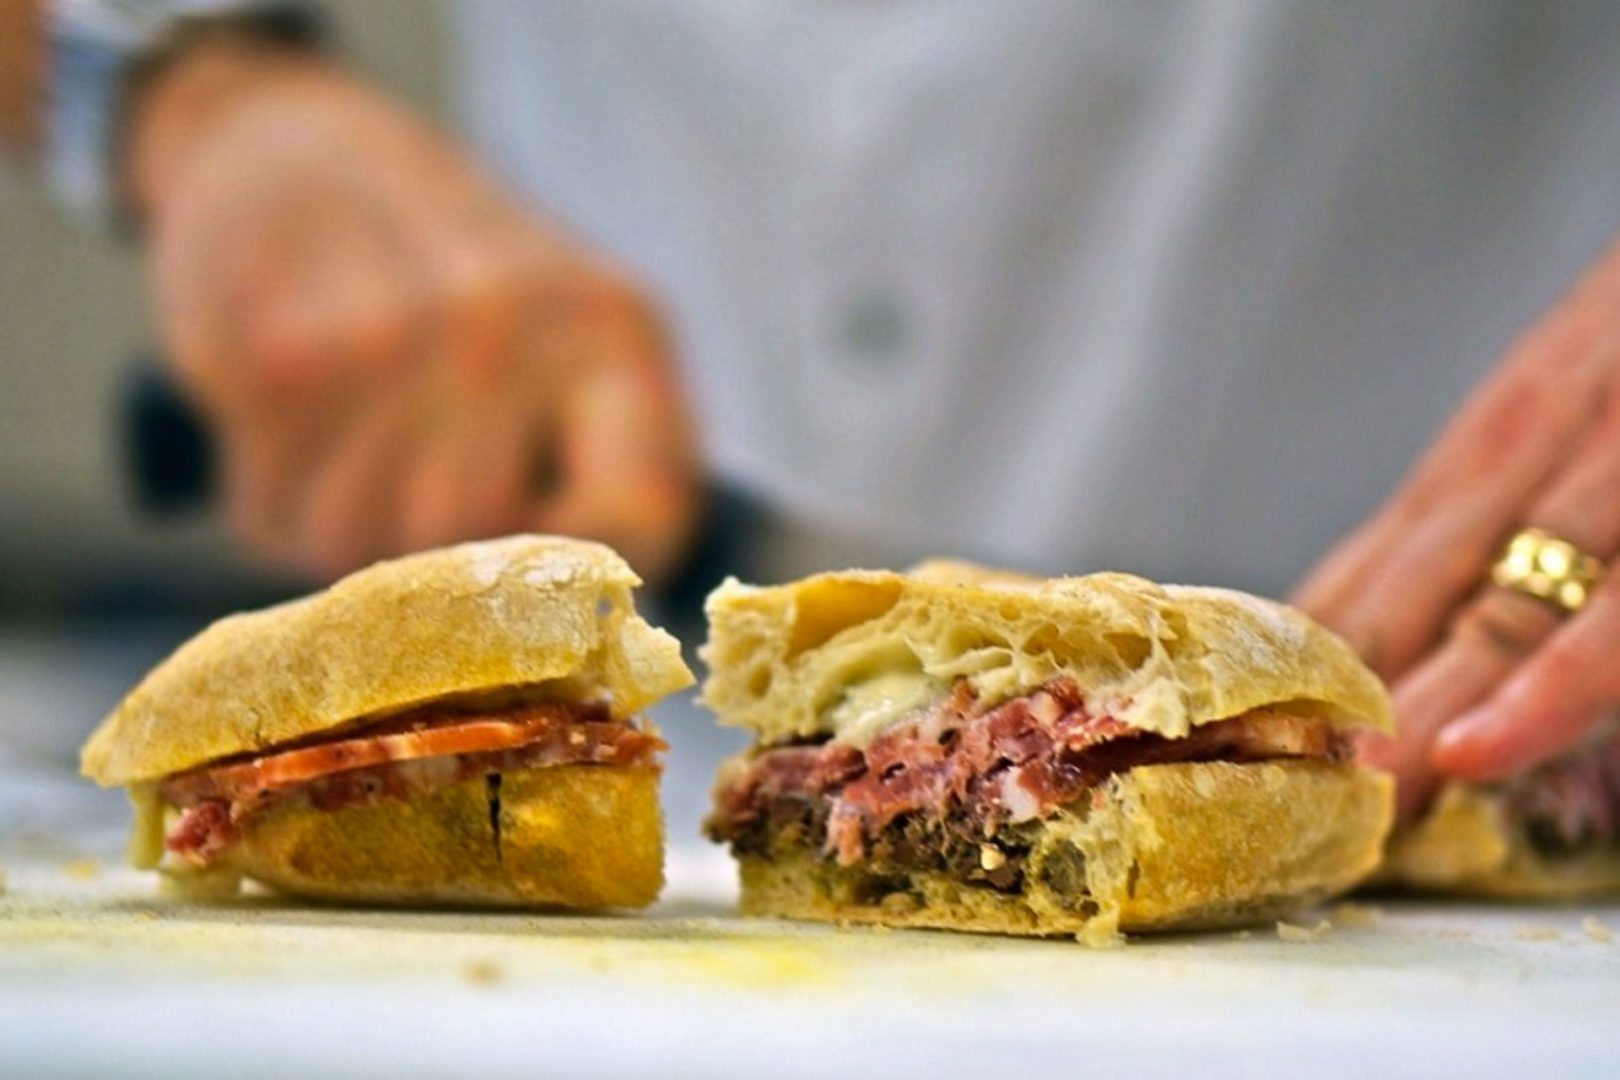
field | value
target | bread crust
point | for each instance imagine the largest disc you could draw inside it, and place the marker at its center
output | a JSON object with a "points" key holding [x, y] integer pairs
{"points": [[1466, 845], [1166, 847], [547, 614], [1160, 658], [569, 835]]}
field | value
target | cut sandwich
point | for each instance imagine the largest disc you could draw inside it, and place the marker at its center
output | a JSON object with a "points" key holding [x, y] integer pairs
{"points": [[965, 749], [458, 726], [1552, 832]]}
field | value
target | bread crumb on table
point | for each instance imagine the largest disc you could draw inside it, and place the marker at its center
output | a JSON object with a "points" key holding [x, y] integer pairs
{"points": [[82, 869], [1595, 930], [1101, 934], [483, 972], [1293, 932], [1357, 915], [1536, 933]]}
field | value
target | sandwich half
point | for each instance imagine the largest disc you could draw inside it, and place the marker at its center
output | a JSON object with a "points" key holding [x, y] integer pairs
{"points": [[1552, 832], [459, 726], [970, 750]]}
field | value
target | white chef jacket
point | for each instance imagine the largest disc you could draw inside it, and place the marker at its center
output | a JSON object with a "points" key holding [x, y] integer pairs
{"points": [[1178, 287]]}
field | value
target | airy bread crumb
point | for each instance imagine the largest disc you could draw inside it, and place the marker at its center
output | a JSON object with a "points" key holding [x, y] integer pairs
{"points": [[82, 869], [483, 972], [1357, 915], [1296, 934], [1595, 930]]}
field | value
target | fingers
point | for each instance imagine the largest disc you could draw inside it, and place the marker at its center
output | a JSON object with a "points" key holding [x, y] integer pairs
{"points": [[491, 389], [1486, 643], [1548, 704], [257, 498], [334, 328], [483, 302], [1441, 539], [1390, 588], [470, 479], [297, 337], [421, 460], [1500, 631], [319, 505], [628, 464], [190, 292], [1521, 725], [345, 519]]}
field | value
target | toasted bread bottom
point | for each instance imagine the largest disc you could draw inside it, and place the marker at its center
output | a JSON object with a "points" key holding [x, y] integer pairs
{"points": [[1161, 847], [566, 835], [1465, 846]]}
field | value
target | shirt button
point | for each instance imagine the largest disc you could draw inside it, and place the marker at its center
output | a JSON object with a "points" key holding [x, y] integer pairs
{"points": [[875, 327]]}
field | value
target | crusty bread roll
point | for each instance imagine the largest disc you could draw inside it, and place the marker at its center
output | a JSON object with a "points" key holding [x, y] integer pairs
{"points": [[840, 664], [469, 638]]}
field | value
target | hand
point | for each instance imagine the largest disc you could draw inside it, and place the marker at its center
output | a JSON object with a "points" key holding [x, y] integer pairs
{"points": [[1487, 681], [394, 354], [22, 72]]}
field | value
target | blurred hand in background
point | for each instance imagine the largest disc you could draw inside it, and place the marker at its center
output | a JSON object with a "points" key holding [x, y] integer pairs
{"points": [[1488, 681], [22, 72], [393, 353]]}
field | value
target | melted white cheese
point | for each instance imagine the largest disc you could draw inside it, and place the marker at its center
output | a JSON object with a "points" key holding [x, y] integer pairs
{"points": [[869, 706]]}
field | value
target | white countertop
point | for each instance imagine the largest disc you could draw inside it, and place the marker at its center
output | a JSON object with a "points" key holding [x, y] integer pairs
{"points": [[100, 973]]}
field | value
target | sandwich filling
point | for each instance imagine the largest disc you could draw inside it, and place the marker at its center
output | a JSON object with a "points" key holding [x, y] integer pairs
{"points": [[1571, 804], [399, 758], [961, 788]]}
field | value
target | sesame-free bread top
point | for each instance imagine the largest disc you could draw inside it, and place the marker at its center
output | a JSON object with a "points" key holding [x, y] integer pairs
{"points": [[543, 615], [842, 654]]}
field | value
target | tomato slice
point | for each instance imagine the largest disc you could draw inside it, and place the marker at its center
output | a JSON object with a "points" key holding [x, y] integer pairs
{"points": [[278, 770]]}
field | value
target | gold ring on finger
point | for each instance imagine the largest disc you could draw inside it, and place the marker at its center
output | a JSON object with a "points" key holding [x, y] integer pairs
{"points": [[1554, 571]]}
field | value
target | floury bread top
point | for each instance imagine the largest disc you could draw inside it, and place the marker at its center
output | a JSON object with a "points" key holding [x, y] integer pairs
{"points": [[844, 654], [539, 616]]}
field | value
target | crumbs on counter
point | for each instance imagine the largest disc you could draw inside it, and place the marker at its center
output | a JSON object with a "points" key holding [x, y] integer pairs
{"points": [[1296, 934], [1100, 935], [82, 869], [1357, 915], [1536, 933], [212, 885], [1597, 931], [483, 972]]}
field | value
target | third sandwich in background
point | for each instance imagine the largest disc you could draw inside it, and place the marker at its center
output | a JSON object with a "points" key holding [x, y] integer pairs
{"points": [[1551, 832]]}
